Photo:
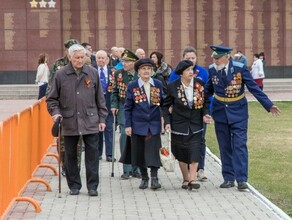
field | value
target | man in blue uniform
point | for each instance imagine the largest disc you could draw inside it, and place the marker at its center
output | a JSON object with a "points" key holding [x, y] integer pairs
{"points": [[226, 82]]}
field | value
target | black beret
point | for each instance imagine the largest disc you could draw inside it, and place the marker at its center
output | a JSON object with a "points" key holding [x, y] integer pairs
{"points": [[143, 62], [182, 65], [55, 128]]}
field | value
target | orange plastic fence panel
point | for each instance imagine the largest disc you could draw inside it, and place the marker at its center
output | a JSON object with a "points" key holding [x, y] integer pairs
{"points": [[45, 124], [22, 157], [24, 140], [35, 141], [7, 190]]}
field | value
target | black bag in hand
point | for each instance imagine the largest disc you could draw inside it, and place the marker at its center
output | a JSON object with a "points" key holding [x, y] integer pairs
{"points": [[56, 126]]}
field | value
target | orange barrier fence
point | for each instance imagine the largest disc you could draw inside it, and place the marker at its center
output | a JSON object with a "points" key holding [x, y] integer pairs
{"points": [[25, 139]]}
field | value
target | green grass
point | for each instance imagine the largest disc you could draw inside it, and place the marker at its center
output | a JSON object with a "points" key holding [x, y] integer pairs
{"points": [[270, 153]]}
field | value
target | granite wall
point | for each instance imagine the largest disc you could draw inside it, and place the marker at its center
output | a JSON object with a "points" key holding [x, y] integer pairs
{"points": [[30, 27]]}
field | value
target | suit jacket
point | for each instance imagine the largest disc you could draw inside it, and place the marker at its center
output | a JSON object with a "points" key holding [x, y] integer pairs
{"points": [[184, 116], [139, 114], [238, 76], [110, 83]]}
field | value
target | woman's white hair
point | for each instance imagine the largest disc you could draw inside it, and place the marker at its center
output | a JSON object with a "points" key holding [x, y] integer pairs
{"points": [[76, 48]]}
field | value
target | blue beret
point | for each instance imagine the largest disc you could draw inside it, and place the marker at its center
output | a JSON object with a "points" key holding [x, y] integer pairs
{"points": [[219, 51], [143, 62], [182, 65]]}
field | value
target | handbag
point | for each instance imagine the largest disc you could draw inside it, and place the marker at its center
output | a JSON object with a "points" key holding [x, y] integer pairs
{"points": [[166, 157]]}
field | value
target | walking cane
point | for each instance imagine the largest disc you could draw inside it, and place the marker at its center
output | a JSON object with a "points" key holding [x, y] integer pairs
{"points": [[56, 132], [59, 161], [113, 147]]}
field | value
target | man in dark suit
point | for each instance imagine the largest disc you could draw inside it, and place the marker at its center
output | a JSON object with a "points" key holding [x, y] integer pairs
{"points": [[106, 77], [227, 79]]}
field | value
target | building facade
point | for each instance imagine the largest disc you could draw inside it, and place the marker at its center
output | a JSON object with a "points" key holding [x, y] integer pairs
{"points": [[31, 27]]}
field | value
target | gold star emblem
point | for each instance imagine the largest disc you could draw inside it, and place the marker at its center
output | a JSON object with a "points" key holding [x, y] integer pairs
{"points": [[43, 4], [33, 4], [52, 4]]}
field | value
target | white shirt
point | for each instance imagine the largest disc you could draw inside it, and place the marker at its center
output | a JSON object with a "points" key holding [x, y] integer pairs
{"points": [[42, 74], [257, 69], [189, 91]]}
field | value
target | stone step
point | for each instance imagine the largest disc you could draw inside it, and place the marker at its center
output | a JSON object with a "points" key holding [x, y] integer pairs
{"points": [[277, 85], [30, 91], [19, 92]]}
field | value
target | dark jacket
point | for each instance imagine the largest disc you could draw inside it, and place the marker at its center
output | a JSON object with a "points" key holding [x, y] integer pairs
{"points": [[79, 99], [183, 116], [139, 114]]}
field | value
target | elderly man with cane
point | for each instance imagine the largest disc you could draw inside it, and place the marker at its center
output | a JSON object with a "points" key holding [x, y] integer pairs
{"points": [[76, 95]]}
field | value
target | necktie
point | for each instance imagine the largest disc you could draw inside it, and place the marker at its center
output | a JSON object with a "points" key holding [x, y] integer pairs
{"points": [[103, 80], [223, 75], [147, 90]]}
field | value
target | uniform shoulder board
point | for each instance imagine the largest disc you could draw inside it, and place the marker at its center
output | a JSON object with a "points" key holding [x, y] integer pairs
{"points": [[212, 66], [238, 64]]}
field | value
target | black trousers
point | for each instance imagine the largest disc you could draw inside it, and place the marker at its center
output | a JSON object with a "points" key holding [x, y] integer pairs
{"points": [[91, 161]]}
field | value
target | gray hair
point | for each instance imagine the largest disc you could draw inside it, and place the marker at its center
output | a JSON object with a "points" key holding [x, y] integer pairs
{"points": [[76, 48]]}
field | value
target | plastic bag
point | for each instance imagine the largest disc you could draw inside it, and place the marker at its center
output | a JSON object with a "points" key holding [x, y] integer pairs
{"points": [[166, 157]]}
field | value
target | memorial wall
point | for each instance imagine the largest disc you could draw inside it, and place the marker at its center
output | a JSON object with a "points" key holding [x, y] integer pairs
{"points": [[30, 27]]}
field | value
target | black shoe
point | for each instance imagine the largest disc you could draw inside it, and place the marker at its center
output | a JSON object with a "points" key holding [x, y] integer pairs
{"points": [[242, 186], [227, 184], [154, 183], [63, 173], [185, 184], [92, 192], [125, 176], [193, 185], [74, 192], [100, 157], [144, 184], [110, 159]]}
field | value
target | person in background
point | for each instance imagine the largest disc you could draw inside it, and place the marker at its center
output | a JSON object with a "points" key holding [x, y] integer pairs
{"points": [[161, 67], [185, 121], [83, 114], [42, 76], [57, 65], [140, 53], [257, 71], [190, 53], [143, 121], [119, 65], [106, 76], [89, 53], [122, 78], [61, 62], [227, 81], [114, 56], [263, 59], [240, 57]]}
